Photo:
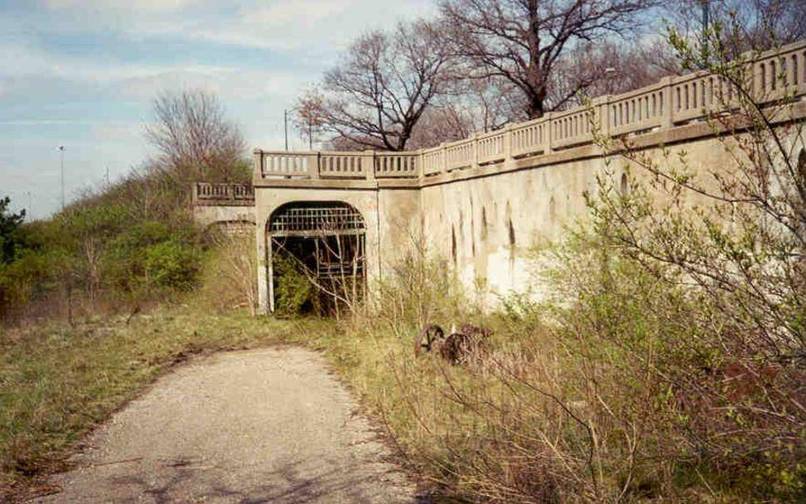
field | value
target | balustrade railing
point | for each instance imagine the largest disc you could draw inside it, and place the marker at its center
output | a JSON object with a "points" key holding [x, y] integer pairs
{"points": [[223, 194], [673, 101], [397, 164]]}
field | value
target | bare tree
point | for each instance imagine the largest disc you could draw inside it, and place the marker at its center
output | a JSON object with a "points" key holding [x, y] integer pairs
{"points": [[745, 24], [380, 90], [613, 68], [194, 139], [467, 106], [309, 118], [524, 41]]}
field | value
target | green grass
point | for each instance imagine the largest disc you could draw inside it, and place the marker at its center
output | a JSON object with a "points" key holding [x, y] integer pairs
{"points": [[58, 382]]}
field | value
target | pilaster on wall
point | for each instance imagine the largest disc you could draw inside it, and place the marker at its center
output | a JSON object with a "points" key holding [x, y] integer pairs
{"points": [[262, 217], [667, 114]]}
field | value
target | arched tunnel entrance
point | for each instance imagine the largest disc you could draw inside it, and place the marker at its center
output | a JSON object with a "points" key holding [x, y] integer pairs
{"points": [[319, 244]]}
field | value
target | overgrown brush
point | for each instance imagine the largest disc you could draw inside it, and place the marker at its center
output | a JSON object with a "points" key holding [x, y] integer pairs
{"points": [[670, 364], [132, 242], [623, 391], [228, 277]]}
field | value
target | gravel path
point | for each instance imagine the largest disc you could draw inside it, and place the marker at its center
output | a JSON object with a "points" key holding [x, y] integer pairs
{"points": [[257, 426]]}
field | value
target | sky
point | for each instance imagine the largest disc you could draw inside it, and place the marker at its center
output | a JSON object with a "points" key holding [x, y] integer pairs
{"points": [[83, 74]]}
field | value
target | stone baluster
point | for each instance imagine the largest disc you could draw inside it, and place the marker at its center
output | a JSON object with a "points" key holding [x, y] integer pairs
{"points": [[507, 147], [314, 166], [474, 151]]}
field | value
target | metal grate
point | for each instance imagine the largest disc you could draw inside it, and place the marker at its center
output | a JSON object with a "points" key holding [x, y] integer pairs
{"points": [[327, 219]]}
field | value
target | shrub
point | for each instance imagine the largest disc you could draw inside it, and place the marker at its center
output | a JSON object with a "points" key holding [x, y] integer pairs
{"points": [[294, 293], [172, 264], [126, 256], [9, 231]]}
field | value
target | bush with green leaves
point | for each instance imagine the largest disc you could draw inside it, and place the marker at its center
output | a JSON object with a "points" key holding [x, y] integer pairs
{"points": [[9, 231], [295, 294], [172, 264]]}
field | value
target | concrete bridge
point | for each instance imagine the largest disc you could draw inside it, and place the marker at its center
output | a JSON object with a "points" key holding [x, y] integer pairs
{"points": [[484, 202]]}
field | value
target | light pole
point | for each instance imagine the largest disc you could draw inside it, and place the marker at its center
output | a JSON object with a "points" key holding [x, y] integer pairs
{"points": [[610, 74], [61, 151]]}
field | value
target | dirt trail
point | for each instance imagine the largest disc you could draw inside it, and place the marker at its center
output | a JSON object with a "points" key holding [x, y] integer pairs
{"points": [[258, 426]]}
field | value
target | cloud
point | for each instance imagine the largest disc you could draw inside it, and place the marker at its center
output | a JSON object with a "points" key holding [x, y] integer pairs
{"points": [[274, 24], [300, 24], [229, 84], [31, 60], [82, 73], [295, 13], [141, 5]]}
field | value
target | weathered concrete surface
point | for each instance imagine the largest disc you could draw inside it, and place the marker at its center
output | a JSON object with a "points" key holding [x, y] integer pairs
{"points": [[208, 215], [257, 426]]}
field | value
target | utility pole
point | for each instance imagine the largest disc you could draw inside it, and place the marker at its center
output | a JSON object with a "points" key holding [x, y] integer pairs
{"points": [[61, 151], [310, 134], [30, 206]]}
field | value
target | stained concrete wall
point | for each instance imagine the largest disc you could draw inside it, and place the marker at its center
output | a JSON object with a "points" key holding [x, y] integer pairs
{"points": [[208, 215], [488, 227], [493, 228]]}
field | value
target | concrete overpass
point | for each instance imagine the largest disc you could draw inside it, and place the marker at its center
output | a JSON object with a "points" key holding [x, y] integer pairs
{"points": [[485, 202]]}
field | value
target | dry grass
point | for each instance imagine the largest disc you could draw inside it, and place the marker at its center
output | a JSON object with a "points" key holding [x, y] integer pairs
{"points": [[605, 399], [57, 382]]}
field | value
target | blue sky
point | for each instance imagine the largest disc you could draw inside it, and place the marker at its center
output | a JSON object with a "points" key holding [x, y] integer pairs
{"points": [[82, 74]]}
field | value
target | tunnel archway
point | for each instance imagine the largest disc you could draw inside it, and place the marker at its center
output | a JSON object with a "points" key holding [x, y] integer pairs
{"points": [[323, 244]]}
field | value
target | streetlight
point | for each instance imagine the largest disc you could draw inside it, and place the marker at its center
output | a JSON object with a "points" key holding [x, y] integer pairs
{"points": [[61, 151]]}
